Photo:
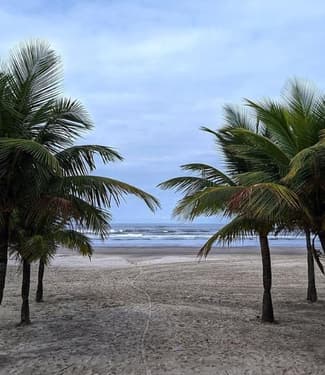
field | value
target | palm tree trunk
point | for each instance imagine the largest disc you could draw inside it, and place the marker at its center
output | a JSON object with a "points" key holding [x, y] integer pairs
{"points": [[321, 236], [267, 309], [311, 290], [39, 292], [25, 319], [4, 243]]}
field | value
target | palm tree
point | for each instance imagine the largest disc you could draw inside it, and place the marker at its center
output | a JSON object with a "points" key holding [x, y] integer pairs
{"points": [[29, 102], [38, 227], [81, 197], [285, 130], [294, 127], [50, 237], [38, 162], [31, 243], [306, 178], [234, 194], [240, 227]]}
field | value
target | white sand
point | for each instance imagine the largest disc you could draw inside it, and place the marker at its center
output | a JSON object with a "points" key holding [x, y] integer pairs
{"points": [[146, 315]]}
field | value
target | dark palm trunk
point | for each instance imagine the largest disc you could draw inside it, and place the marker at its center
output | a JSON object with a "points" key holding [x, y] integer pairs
{"points": [[39, 292], [311, 290], [321, 236], [25, 293], [4, 243], [267, 309]]}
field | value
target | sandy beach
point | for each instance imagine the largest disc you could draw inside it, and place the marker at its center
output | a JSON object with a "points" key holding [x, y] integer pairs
{"points": [[136, 311]]}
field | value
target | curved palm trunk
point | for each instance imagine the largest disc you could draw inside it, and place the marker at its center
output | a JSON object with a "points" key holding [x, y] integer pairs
{"points": [[4, 243], [25, 319], [39, 292], [311, 290], [267, 309]]}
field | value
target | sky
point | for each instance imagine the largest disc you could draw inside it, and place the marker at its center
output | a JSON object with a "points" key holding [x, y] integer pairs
{"points": [[152, 72]]}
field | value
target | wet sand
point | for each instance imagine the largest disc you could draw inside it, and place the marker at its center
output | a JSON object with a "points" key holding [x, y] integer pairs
{"points": [[189, 250], [136, 313]]}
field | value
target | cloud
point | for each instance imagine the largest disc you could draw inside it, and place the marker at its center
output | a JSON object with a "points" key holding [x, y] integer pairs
{"points": [[151, 73]]}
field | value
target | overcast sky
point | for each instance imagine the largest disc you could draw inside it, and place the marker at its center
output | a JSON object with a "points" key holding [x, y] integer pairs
{"points": [[151, 72]]}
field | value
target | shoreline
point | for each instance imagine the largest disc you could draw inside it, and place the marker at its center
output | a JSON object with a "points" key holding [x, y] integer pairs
{"points": [[188, 250], [117, 257], [127, 257]]}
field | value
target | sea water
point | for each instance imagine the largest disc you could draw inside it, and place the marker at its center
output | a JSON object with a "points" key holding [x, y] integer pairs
{"points": [[140, 235]]}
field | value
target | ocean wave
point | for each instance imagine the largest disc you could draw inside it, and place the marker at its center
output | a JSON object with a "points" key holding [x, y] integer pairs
{"points": [[136, 236], [182, 235]]}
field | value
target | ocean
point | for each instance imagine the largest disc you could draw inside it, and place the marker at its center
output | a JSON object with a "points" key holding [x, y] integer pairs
{"points": [[146, 235]]}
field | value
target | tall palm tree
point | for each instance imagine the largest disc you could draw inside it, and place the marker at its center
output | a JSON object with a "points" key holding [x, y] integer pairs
{"points": [[29, 101], [306, 177], [37, 130], [214, 191], [239, 227], [285, 130], [293, 126]]}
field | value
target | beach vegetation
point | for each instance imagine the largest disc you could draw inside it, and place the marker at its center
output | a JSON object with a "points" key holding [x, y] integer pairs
{"points": [[273, 155], [49, 194]]}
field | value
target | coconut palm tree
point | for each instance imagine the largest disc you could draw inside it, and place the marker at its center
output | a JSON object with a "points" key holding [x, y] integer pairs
{"points": [[293, 126], [234, 200], [213, 192], [29, 100], [39, 163], [239, 228], [32, 242], [306, 177], [70, 239], [285, 130]]}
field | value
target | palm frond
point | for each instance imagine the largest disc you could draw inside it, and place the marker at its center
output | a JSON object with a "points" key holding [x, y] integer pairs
{"points": [[268, 202], [274, 117], [90, 218], [210, 173], [67, 119], [39, 154], [307, 168], [74, 240], [36, 72], [237, 229], [208, 130], [32, 247], [81, 159], [262, 146], [255, 177], [237, 118], [300, 97], [101, 191], [208, 202], [186, 184]]}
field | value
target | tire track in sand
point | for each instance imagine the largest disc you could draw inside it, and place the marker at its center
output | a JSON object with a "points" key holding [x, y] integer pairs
{"points": [[132, 283]]}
